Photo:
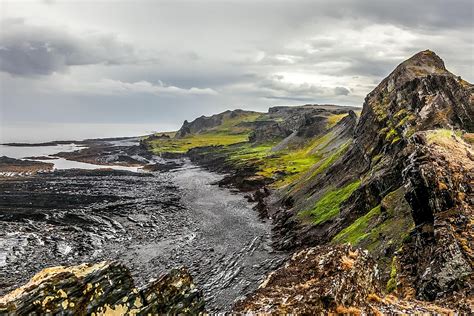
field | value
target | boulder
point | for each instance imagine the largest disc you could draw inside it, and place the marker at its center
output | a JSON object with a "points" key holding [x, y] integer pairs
{"points": [[105, 287]]}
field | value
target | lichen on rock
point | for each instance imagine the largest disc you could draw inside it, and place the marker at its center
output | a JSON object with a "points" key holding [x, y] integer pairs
{"points": [[104, 288]]}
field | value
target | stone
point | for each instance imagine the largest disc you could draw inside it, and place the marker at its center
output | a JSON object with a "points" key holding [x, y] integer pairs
{"points": [[102, 288]]}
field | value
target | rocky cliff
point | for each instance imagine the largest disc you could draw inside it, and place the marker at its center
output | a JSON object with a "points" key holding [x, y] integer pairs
{"points": [[406, 185]]}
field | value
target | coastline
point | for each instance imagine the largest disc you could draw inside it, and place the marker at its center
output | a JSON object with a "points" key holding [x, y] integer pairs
{"points": [[107, 214]]}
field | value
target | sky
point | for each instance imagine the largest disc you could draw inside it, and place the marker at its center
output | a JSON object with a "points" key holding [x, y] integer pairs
{"points": [[102, 68]]}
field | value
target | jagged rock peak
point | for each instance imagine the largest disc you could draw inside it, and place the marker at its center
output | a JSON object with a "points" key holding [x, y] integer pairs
{"points": [[422, 64], [420, 94], [425, 60]]}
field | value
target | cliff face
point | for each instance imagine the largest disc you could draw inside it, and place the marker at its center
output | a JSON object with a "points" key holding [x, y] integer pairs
{"points": [[437, 259], [106, 288], [386, 162], [296, 123]]}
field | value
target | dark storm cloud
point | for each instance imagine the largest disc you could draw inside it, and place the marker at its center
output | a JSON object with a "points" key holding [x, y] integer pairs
{"points": [[384, 26], [27, 50], [426, 14]]}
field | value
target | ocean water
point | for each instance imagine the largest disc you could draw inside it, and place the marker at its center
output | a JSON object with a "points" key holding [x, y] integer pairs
{"points": [[33, 132], [59, 163]]}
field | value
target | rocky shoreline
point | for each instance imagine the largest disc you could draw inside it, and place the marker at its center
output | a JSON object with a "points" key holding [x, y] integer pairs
{"points": [[150, 221]]}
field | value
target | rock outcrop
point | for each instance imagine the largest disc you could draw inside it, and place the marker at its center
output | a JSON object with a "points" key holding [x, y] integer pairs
{"points": [[295, 124], [206, 123], [419, 95], [321, 280], [102, 288], [438, 258]]}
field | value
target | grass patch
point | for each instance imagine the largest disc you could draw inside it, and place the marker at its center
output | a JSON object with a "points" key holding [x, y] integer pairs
{"points": [[182, 145], [235, 125], [287, 165], [328, 206], [232, 130], [356, 232], [382, 230], [331, 159], [439, 134], [334, 119]]}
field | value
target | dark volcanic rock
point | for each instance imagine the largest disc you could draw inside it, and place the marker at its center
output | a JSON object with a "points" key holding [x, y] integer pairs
{"points": [[439, 258], [10, 166], [105, 287], [419, 95]]}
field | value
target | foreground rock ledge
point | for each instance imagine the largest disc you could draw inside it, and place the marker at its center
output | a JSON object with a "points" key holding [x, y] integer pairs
{"points": [[102, 288], [340, 279]]}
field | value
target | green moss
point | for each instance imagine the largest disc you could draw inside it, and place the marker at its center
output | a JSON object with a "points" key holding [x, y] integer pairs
{"points": [[380, 106], [391, 133], [334, 119], [356, 232], [382, 230], [376, 159], [410, 131], [330, 160], [403, 112], [439, 134], [392, 282], [287, 165], [328, 206], [396, 140], [405, 120]]}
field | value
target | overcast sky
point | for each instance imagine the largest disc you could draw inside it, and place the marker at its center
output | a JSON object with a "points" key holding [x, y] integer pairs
{"points": [[75, 69]]}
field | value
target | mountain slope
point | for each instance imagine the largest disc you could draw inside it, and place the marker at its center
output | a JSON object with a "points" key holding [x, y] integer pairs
{"points": [[404, 188]]}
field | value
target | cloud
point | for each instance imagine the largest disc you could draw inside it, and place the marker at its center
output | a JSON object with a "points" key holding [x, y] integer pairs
{"points": [[118, 87], [27, 50], [341, 91], [247, 54], [288, 87]]}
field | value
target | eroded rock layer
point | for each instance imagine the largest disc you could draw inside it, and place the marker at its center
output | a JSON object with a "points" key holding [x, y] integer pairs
{"points": [[102, 288]]}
